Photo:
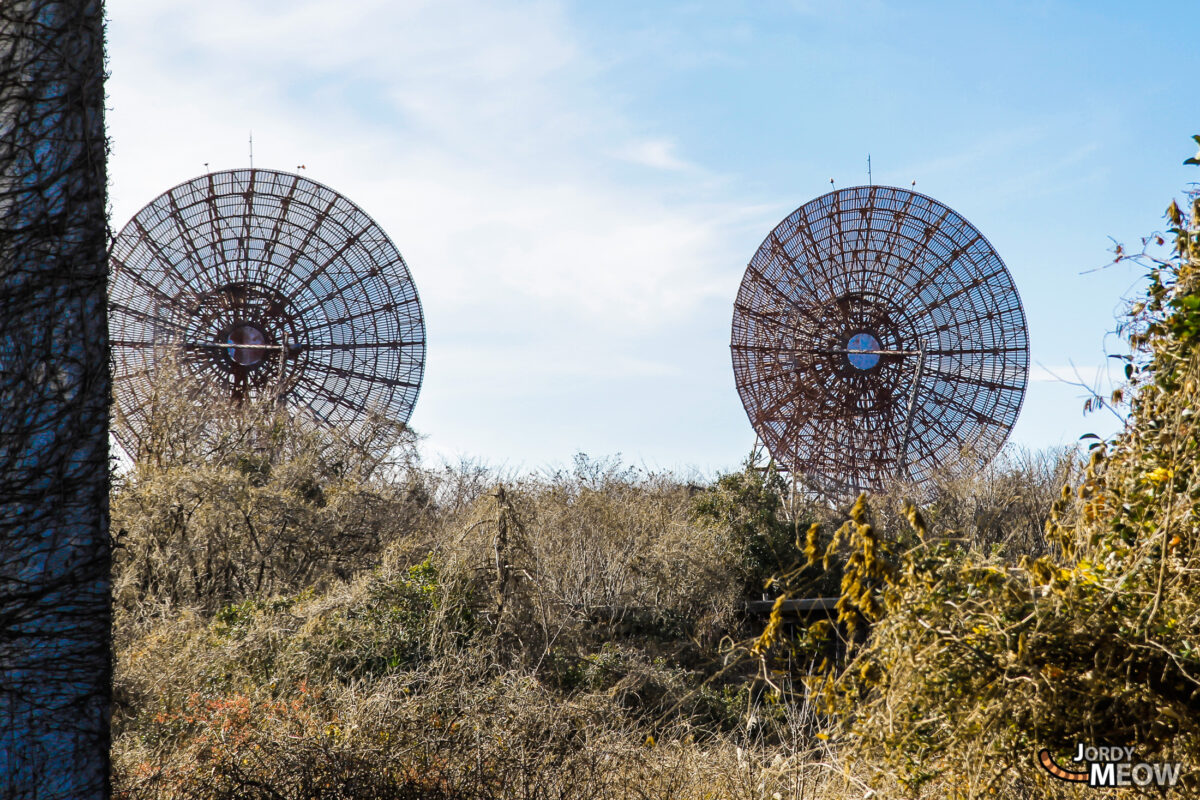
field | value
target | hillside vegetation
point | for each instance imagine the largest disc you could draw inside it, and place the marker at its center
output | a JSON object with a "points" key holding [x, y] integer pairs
{"points": [[299, 618]]}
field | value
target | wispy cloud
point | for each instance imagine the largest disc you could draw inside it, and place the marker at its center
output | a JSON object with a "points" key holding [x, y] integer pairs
{"points": [[654, 153]]}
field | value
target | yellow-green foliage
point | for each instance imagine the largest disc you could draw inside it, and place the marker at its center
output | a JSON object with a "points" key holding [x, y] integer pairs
{"points": [[979, 662]]}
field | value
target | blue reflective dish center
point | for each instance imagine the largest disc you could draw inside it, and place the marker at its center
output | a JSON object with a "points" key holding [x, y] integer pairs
{"points": [[863, 341]]}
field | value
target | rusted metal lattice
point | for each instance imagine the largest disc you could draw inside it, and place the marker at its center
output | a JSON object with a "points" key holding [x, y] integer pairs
{"points": [[876, 336], [259, 285]]}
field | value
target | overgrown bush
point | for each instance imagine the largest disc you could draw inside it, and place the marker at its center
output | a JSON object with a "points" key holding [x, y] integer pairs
{"points": [[1001, 509], [749, 505], [557, 638], [224, 504]]}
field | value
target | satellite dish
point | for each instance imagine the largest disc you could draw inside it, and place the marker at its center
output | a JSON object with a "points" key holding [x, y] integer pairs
{"points": [[263, 285], [877, 336]]}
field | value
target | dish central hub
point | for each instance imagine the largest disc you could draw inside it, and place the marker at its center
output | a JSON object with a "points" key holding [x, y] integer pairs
{"points": [[859, 351], [245, 334]]}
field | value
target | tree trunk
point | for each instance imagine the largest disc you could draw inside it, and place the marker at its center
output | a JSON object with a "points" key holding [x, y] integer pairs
{"points": [[55, 662]]}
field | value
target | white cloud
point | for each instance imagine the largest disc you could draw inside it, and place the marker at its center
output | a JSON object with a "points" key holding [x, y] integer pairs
{"points": [[654, 153]]}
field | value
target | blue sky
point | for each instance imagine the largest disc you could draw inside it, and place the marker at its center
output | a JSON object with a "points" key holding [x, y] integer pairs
{"points": [[577, 187]]}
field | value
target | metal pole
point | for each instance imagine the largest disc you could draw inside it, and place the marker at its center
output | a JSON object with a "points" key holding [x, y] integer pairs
{"points": [[902, 462]]}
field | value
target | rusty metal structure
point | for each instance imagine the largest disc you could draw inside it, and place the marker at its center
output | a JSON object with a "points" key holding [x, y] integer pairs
{"points": [[259, 285], [877, 336]]}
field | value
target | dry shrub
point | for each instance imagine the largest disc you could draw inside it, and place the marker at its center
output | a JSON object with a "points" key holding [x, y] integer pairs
{"points": [[228, 503], [1001, 508], [391, 686], [432, 737], [301, 620], [512, 739], [602, 551]]}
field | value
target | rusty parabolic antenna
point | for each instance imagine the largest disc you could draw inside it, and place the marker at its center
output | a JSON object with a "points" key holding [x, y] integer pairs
{"points": [[877, 336], [262, 284]]}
